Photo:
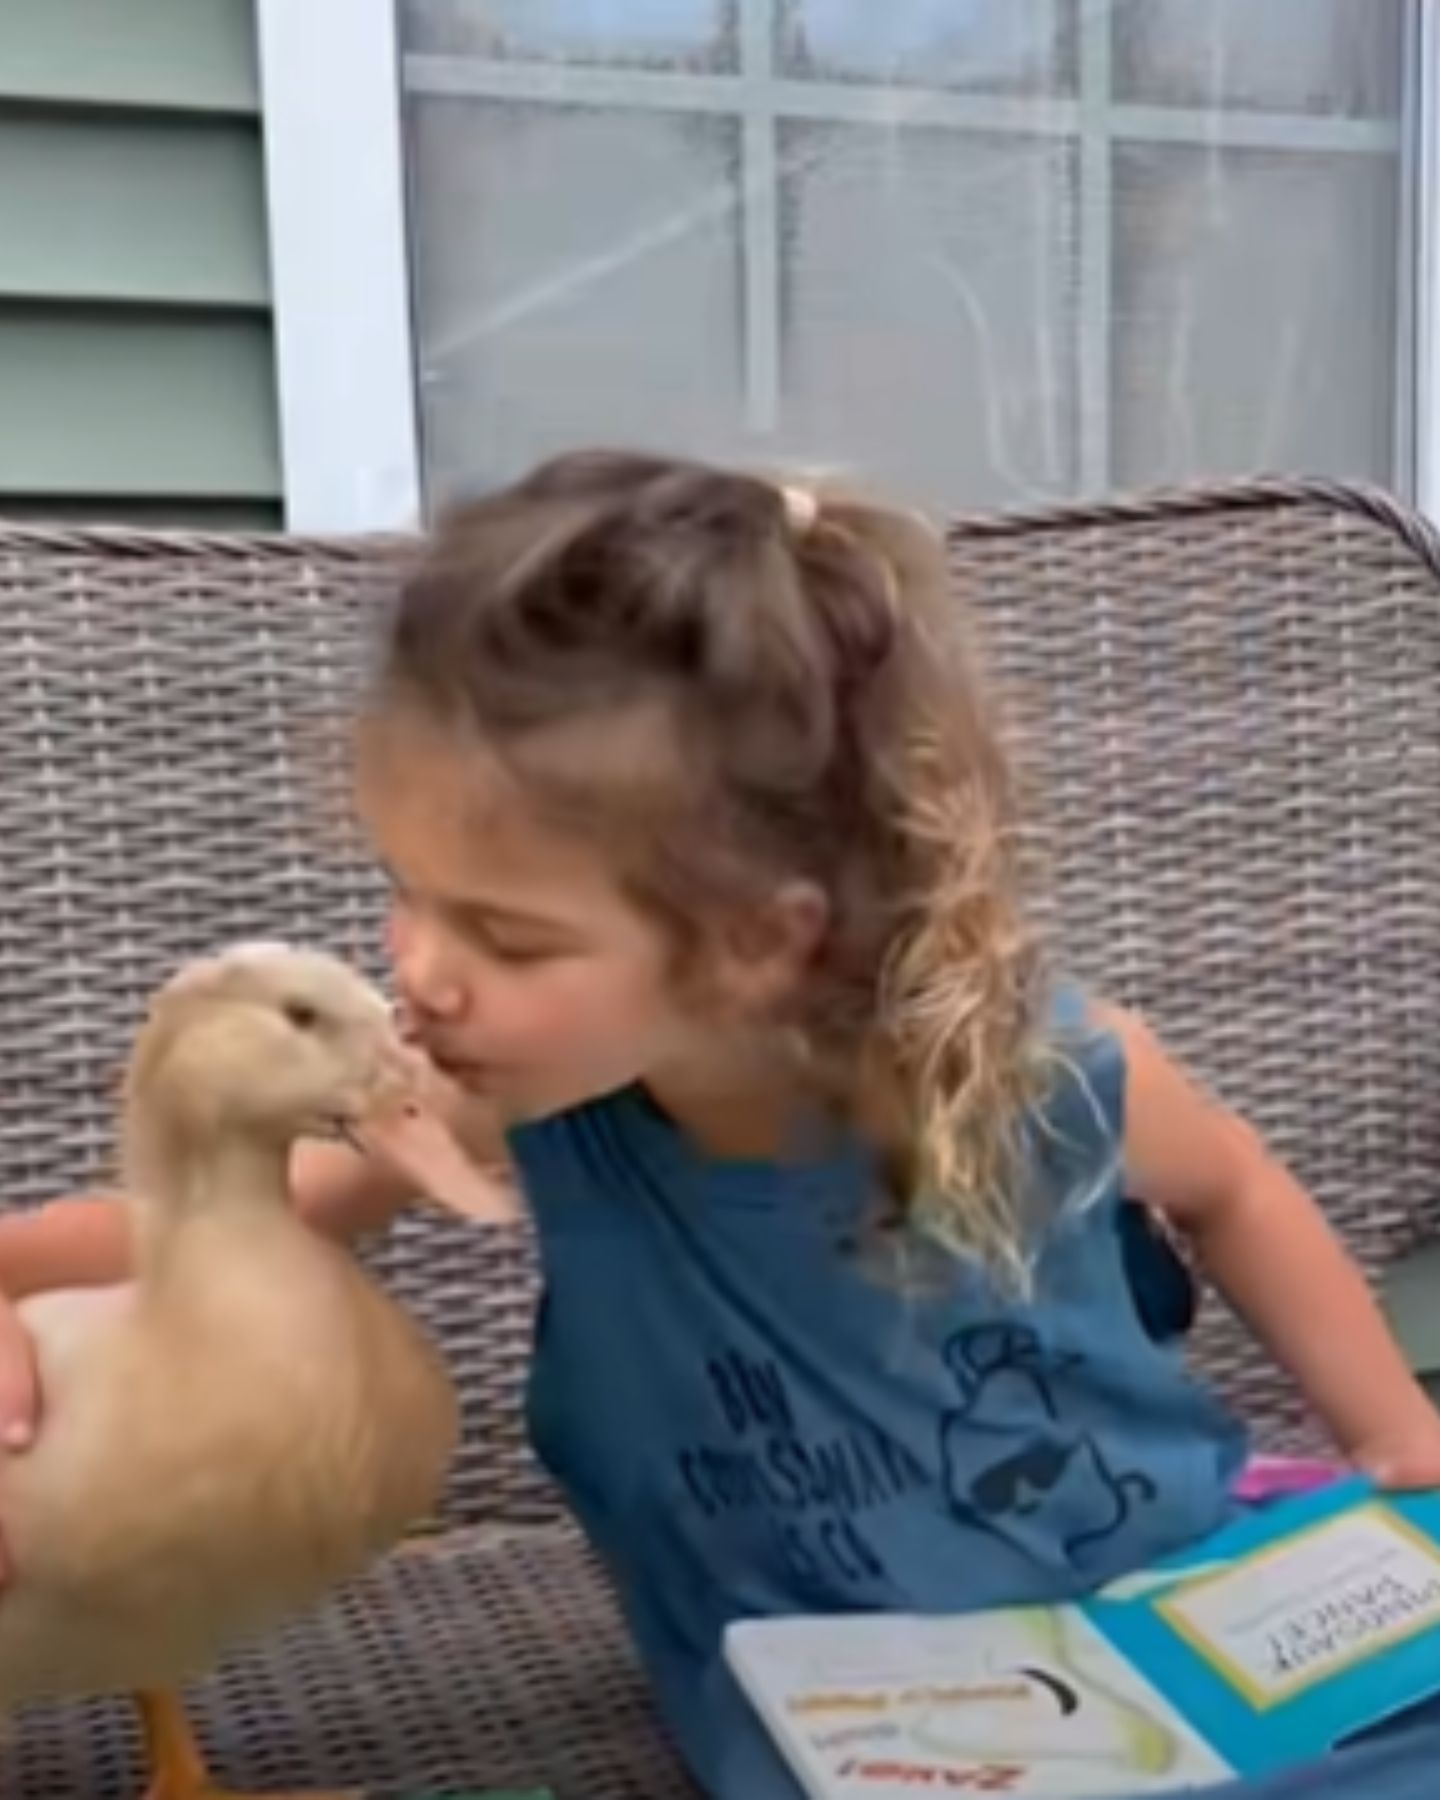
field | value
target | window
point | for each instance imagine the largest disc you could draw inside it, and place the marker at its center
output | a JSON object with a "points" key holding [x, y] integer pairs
{"points": [[980, 251]]}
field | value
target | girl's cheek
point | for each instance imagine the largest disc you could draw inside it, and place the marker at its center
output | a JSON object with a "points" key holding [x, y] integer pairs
{"points": [[536, 1011]]}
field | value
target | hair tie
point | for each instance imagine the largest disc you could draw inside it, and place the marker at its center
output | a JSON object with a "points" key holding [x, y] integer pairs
{"points": [[802, 509]]}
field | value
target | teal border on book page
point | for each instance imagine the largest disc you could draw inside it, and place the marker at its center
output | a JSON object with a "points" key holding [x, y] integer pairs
{"points": [[1256, 1737]]}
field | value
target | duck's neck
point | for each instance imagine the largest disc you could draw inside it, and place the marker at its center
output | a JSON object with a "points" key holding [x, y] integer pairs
{"points": [[180, 1185]]}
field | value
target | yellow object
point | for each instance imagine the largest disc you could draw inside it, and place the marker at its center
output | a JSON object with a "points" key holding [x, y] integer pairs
{"points": [[177, 1769], [249, 1422]]}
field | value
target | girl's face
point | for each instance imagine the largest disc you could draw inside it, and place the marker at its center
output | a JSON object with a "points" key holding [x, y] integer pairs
{"points": [[528, 975]]}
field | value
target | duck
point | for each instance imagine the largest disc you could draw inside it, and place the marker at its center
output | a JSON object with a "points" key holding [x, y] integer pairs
{"points": [[249, 1421]]}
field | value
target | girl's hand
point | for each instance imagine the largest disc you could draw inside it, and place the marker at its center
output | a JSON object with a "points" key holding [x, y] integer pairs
{"points": [[418, 1143], [1405, 1461]]}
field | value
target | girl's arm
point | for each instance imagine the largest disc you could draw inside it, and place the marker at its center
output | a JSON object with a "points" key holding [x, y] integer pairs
{"points": [[1265, 1244]]}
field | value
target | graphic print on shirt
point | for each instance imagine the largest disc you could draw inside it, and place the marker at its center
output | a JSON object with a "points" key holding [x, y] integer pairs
{"points": [[1057, 1479], [811, 1491]]}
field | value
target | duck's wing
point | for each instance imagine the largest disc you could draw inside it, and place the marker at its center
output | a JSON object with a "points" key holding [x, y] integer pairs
{"points": [[66, 1326]]}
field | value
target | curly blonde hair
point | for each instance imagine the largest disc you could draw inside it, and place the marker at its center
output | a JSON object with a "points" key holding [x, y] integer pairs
{"points": [[827, 722]]}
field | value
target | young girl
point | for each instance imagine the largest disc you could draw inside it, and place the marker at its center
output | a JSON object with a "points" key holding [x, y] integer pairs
{"points": [[706, 904]]}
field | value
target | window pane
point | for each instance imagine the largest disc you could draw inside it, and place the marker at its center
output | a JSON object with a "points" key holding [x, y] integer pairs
{"points": [[666, 33], [578, 281], [1255, 313], [928, 297], [995, 46], [1307, 56], [896, 253]]}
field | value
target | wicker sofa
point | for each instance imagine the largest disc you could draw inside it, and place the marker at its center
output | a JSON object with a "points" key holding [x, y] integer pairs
{"points": [[1231, 699]]}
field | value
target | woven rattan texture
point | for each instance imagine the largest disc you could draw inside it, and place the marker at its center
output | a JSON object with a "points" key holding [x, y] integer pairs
{"points": [[172, 776], [1234, 714], [469, 1666], [1232, 702]]}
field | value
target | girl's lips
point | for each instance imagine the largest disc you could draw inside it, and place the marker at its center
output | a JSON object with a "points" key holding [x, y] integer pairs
{"points": [[464, 1071]]}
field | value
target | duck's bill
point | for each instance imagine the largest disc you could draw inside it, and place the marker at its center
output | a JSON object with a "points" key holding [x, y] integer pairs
{"points": [[413, 1140]]}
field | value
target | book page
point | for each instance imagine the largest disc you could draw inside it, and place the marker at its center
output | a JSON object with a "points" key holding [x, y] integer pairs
{"points": [[1028, 1703], [1314, 1605]]}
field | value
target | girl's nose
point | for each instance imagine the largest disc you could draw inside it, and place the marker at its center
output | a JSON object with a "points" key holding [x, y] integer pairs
{"points": [[424, 971]]}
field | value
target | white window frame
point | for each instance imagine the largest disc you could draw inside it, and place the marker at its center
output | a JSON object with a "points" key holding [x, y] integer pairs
{"points": [[347, 369], [340, 285], [1424, 120]]}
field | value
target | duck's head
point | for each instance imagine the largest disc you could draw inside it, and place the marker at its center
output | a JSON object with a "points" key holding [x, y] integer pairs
{"points": [[266, 1041]]}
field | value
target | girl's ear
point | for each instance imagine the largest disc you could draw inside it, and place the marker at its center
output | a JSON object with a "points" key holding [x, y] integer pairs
{"points": [[762, 955]]}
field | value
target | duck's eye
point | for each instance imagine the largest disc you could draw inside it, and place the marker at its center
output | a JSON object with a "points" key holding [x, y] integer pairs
{"points": [[301, 1015]]}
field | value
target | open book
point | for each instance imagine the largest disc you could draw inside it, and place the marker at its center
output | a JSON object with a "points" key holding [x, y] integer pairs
{"points": [[1292, 1629]]}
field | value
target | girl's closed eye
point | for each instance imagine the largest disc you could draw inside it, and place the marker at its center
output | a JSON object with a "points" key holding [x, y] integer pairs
{"points": [[512, 942], [505, 938], [522, 955]]}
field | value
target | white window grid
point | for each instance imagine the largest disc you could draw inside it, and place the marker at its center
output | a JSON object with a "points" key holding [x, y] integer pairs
{"points": [[333, 83]]}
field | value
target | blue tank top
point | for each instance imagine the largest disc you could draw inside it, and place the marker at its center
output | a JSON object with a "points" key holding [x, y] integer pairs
{"points": [[748, 1420]]}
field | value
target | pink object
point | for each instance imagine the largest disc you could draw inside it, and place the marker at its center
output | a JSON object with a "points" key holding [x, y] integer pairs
{"points": [[1271, 1477]]}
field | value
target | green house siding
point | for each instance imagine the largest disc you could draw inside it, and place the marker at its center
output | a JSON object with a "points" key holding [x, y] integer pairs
{"points": [[136, 357]]}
